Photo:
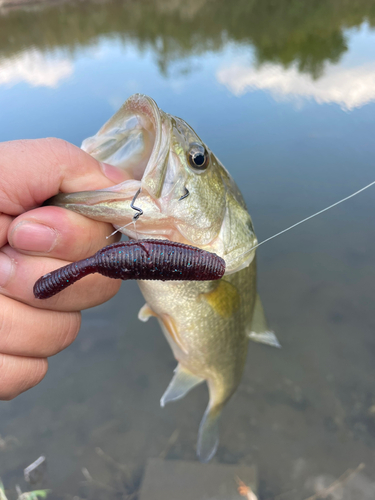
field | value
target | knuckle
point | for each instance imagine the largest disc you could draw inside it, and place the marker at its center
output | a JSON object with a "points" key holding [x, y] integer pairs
{"points": [[32, 371], [9, 396], [55, 142], [70, 328], [38, 370], [95, 237], [7, 318], [52, 146], [60, 151], [20, 374], [91, 292], [108, 289], [73, 155]]}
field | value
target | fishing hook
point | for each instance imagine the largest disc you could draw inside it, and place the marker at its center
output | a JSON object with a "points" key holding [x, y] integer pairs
{"points": [[187, 192], [139, 210]]}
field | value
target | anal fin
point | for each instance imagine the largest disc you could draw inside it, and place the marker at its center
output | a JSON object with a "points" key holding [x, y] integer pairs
{"points": [[259, 331], [267, 337], [182, 382]]}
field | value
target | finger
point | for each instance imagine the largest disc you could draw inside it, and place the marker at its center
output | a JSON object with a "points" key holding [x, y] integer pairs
{"points": [[59, 233], [17, 374], [5, 221], [26, 331], [51, 165], [19, 272]]}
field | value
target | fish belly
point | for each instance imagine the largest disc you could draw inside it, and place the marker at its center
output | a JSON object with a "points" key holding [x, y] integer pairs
{"points": [[205, 325]]}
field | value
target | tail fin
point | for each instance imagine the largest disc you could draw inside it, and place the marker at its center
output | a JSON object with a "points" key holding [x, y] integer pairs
{"points": [[208, 435]]}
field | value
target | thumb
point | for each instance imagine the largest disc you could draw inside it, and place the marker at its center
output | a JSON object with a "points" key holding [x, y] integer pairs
{"points": [[34, 170]]}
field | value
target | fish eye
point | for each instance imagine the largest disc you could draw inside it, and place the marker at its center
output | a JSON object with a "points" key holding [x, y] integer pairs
{"points": [[198, 156]]}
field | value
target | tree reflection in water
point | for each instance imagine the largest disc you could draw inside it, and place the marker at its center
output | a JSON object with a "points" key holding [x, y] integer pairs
{"points": [[287, 31]]}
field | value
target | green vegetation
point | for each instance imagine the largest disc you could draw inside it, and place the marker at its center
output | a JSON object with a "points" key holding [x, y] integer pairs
{"points": [[30, 495]]}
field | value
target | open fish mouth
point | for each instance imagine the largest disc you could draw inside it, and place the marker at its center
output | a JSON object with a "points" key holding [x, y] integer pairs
{"points": [[135, 139]]}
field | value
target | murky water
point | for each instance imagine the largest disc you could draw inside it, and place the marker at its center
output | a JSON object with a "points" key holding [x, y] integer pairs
{"points": [[284, 94]]}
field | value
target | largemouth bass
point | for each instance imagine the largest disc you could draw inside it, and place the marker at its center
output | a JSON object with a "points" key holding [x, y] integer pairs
{"points": [[180, 191]]}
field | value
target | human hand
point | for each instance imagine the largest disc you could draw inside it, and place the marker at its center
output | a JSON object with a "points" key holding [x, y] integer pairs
{"points": [[33, 242]]}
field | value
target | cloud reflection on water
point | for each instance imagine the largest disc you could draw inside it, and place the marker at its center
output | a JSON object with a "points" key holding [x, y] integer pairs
{"points": [[350, 82], [349, 87], [37, 68]]}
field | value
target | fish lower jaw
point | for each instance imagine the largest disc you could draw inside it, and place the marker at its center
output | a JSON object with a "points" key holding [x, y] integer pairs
{"points": [[160, 234]]}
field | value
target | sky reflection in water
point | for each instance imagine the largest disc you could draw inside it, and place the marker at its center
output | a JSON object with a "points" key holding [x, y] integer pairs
{"points": [[349, 82], [283, 94]]}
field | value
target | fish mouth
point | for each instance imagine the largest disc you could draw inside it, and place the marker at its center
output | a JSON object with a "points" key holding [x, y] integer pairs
{"points": [[136, 139]]}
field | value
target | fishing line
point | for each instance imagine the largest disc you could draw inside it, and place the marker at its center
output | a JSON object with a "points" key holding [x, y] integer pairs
{"points": [[306, 219], [123, 227], [135, 217]]}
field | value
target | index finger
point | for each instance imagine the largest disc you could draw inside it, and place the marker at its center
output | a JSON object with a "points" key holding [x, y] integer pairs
{"points": [[34, 170]]}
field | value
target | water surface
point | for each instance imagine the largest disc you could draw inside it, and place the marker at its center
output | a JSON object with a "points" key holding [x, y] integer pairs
{"points": [[284, 94]]}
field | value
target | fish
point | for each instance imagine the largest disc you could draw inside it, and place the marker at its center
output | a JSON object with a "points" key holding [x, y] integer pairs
{"points": [[178, 190]]}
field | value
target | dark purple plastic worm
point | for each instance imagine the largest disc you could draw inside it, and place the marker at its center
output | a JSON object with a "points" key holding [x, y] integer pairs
{"points": [[137, 260]]}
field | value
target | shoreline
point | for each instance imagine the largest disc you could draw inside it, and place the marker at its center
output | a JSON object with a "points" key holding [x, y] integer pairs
{"points": [[10, 5]]}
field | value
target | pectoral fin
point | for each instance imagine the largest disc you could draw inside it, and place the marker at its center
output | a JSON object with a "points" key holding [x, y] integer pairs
{"points": [[224, 299], [208, 435], [171, 328], [145, 313], [259, 331], [182, 382]]}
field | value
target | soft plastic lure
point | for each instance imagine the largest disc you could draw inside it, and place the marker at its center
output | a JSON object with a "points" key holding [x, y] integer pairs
{"points": [[137, 260]]}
